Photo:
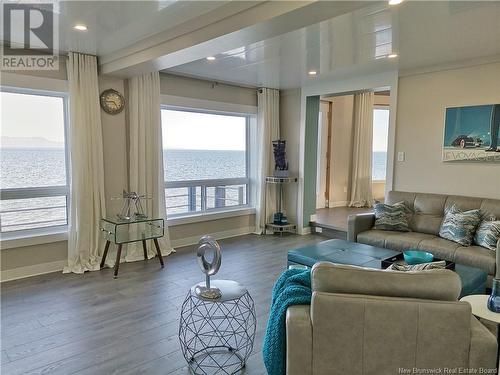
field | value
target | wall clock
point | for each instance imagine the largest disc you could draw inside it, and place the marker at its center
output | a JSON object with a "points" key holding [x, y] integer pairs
{"points": [[112, 101]]}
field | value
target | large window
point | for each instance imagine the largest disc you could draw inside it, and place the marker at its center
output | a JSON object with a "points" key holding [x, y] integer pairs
{"points": [[380, 142], [33, 180], [205, 157]]}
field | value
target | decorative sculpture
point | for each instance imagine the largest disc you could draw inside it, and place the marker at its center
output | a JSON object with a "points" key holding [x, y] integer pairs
{"points": [[132, 199], [280, 163], [208, 244]]}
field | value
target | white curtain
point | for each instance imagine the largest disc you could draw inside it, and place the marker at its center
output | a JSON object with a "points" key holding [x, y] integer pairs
{"points": [[361, 178], [87, 201], [146, 156], [268, 130]]}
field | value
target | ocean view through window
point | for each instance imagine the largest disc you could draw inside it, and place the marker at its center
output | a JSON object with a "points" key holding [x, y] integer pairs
{"points": [[205, 156], [380, 143], [33, 172]]}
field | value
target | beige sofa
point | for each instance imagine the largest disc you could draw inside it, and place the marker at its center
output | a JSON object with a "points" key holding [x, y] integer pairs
{"points": [[425, 223], [370, 322]]}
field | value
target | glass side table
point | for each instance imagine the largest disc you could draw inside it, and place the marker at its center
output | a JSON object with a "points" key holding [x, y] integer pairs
{"points": [[121, 231]]}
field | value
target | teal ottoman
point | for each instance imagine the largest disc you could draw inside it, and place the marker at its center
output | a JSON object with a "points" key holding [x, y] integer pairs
{"points": [[357, 254], [473, 280]]}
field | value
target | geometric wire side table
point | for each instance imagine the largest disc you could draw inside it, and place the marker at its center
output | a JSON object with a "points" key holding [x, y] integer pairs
{"points": [[217, 335], [121, 231]]}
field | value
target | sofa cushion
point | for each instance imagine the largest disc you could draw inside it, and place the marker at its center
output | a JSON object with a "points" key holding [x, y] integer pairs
{"points": [[476, 256], [406, 241], [491, 207], [392, 217], [462, 203], [375, 237], [440, 247], [460, 226], [429, 209], [394, 197]]}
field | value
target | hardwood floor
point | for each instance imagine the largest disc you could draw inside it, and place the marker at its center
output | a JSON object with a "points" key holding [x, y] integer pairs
{"points": [[93, 324]]}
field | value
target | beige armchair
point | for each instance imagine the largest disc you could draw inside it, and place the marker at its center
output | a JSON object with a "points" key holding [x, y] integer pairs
{"points": [[365, 321]]}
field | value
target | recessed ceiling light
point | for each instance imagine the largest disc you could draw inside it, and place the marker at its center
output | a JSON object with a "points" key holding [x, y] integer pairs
{"points": [[211, 58], [392, 56], [80, 27], [312, 72], [395, 2]]}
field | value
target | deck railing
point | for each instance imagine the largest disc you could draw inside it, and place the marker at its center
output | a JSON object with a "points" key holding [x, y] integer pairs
{"points": [[191, 196], [33, 208]]}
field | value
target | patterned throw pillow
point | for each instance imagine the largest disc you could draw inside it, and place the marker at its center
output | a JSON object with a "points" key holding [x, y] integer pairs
{"points": [[459, 226], [392, 217], [488, 234]]}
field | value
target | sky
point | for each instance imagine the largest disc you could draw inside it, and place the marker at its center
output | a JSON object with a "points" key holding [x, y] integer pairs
{"points": [[21, 114], [202, 131], [380, 129]]}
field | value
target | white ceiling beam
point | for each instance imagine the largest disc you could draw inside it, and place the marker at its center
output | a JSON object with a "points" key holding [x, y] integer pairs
{"points": [[252, 23]]}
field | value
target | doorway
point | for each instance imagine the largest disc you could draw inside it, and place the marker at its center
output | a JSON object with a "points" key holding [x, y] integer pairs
{"points": [[335, 157]]}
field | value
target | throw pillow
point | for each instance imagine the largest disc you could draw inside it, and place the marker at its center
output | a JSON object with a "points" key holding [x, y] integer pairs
{"points": [[459, 226], [488, 234], [392, 217]]}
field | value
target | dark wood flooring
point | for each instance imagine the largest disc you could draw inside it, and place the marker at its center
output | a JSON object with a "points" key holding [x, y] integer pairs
{"points": [[93, 324]]}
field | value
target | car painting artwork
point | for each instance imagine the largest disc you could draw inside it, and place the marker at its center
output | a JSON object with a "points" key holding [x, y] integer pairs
{"points": [[472, 133]]}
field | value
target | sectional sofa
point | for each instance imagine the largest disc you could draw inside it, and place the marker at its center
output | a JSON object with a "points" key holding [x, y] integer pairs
{"points": [[428, 213]]}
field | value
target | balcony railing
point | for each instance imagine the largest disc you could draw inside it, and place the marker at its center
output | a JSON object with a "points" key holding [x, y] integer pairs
{"points": [[33, 208], [195, 196]]}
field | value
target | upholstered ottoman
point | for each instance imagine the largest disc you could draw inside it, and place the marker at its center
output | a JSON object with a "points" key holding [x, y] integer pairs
{"points": [[357, 254]]}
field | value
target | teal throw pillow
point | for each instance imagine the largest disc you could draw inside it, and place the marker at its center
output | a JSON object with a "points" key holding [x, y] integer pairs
{"points": [[392, 217], [460, 226], [488, 234]]}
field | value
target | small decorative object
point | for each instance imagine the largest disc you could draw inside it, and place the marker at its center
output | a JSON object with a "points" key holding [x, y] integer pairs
{"points": [[112, 101], [417, 257], [494, 299], [208, 244], [132, 199], [279, 218], [472, 133], [280, 163]]}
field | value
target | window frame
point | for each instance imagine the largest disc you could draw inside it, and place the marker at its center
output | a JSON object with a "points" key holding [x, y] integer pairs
{"points": [[387, 108], [204, 183], [41, 191]]}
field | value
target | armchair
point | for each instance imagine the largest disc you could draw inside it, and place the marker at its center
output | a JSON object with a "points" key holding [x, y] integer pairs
{"points": [[365, 321]]}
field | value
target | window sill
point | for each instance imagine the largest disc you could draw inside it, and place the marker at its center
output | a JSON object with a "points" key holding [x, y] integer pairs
{"points": [[29, 239], [209, 216], [378, 181]]}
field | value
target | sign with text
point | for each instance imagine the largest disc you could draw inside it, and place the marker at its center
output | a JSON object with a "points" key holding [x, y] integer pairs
{"points": [[30, 35]]}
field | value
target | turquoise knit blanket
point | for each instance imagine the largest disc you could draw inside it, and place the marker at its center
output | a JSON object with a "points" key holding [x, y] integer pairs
{"points": [[293, 287]]}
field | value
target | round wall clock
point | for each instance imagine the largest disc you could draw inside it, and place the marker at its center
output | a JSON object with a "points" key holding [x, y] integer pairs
{"points": [[112, 101]]}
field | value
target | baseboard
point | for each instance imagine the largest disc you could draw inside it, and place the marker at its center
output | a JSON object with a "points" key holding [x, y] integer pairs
{"points": [[40, 269], [187, 241], [304, 231], [34, 270], [338, 204]]}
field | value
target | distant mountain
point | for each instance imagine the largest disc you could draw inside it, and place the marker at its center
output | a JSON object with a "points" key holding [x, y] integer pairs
{"points": [[28, 142]]}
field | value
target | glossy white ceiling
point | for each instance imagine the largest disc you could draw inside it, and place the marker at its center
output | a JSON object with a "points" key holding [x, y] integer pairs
{"points": [[114, 25], [421, 33]]}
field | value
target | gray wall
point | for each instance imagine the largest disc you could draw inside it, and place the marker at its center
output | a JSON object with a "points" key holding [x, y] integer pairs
{"points": [[422, 99]]}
